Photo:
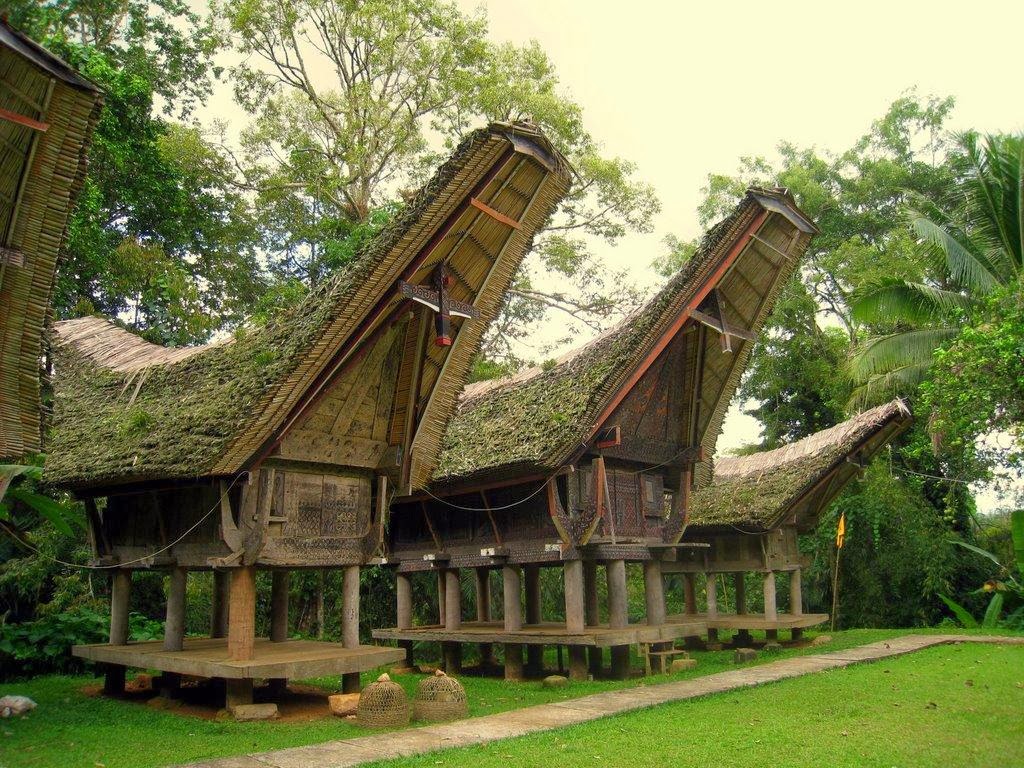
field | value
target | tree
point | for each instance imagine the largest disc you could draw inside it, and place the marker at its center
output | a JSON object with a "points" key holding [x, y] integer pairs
{"points": [[354, 100], [972, 237]]}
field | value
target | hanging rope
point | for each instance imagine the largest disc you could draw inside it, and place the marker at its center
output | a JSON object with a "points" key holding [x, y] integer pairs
{"points": [[542, 486], [151, 555]]}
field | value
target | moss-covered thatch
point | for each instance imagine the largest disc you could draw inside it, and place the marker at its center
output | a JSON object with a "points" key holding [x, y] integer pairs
{"points": [[760, 491], [209, 413], [536, 420], [41, 173]]}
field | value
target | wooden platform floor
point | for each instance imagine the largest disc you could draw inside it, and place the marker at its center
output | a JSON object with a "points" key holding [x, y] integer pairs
{"points": [[750, 621], [547, 633], [208, 657]]}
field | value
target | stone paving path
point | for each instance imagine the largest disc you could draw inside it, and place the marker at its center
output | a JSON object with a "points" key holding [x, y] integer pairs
{"points": [[544, 717]]}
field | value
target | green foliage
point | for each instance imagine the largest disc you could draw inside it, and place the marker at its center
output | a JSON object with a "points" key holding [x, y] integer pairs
{"points": [[43, 646], [1004, 587]]}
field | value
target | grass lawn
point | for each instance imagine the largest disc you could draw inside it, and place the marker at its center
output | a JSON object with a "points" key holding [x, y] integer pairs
{"points": [[71, 729], [944, 706]]}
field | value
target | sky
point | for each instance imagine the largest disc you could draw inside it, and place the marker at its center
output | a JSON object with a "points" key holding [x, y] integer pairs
{"points": [[685, 89]]}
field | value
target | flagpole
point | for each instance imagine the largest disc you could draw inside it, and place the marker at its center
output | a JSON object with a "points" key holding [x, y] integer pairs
{"points": [[835, 589]]}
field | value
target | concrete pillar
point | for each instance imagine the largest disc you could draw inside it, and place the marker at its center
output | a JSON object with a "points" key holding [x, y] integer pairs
{"points": [[654, 593], [593, 612], [350, 621], [512, 589], [771, 612], [483, 611], [281, 581], [796, 602], [120, 592], [174, 627], [219, 614], [739, 586], [242, 614], [618, 614]]}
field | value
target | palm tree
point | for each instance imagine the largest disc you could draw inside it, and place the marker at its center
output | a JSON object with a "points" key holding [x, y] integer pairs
{"points": [[976, 244]]}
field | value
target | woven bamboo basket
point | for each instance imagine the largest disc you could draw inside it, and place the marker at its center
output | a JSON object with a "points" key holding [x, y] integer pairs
{"points": [[383, 704], [440, 698]]}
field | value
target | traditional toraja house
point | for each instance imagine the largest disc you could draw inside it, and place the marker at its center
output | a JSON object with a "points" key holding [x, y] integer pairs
{"points": [[590, 462], [282, 447], [47, 116], [751, 514]]}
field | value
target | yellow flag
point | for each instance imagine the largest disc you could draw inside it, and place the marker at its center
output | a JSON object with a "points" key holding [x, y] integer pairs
{"points": [[841, 531]]}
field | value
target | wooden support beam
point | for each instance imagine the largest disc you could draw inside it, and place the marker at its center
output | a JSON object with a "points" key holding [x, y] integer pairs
{"points": [[592, 611], [513, 661], [534, 653], [512, 589], [496, 215], [618, 598], [279, 586], [174, 624], [689, 594], [577, 662], [483, 610], [120, 591], [490, 517], [219, 613], [242, 614], [442, 613]]}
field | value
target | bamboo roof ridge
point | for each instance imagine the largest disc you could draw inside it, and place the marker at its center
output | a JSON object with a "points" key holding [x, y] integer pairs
{"points": [[48, 116], [128, 411], [538, 419], [796, 481]]}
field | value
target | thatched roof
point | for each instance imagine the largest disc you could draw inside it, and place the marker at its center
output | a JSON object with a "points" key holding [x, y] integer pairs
{"points": [[128, 411], [46, 123], [536, 421], [798, 481]]}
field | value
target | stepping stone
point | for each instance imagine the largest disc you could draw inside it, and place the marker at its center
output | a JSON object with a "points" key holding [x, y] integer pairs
{"points": [[343, 704], [680, 665], [244, 713], [555, 681], [821, 640], [772, 647], [743, 655]]}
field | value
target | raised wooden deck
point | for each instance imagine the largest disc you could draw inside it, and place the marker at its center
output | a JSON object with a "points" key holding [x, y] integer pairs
{"points": [[208, 657], [751, 621], [547, 633]]}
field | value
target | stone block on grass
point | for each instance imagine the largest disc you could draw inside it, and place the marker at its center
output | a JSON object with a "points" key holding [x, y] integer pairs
{"points": [[743, 655]]}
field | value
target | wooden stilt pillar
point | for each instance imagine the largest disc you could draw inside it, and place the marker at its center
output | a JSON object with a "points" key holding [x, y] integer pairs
{"points": [[739, 588], [219, 614], [534, 653], [403, 593], [512, 589], [441, 608], [771, 611], [796, 601], [452, 620], [174, 627], [174, 624], [483, 611], [618, 615], [242, 614], [711, 594], [350, 621], [689, 594], [241, 631], [654, 593], [279, 586], [593, 612], [577, 662], [120, 591], [575, 603]]}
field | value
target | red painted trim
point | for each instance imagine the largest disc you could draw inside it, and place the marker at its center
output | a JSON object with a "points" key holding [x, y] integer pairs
{"points": [[27, 122], [680, 321], [496, 215]]}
